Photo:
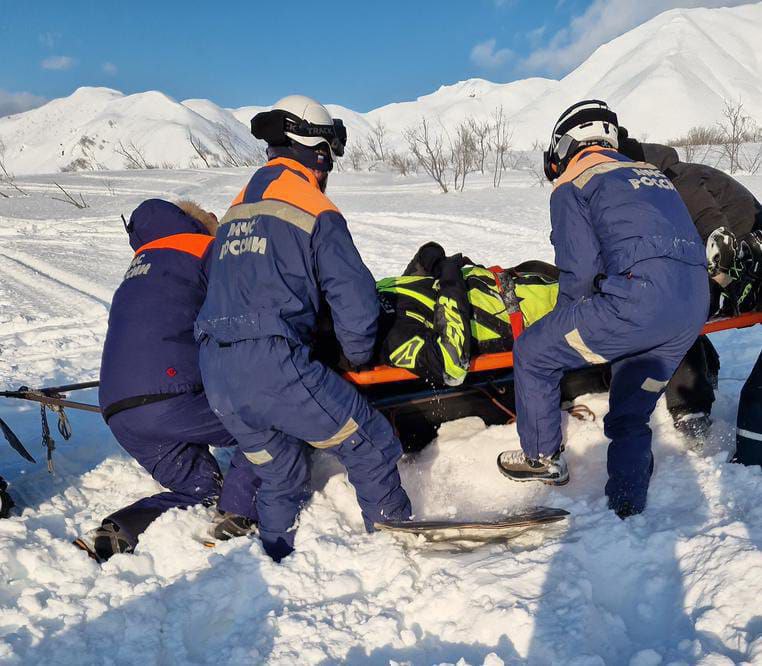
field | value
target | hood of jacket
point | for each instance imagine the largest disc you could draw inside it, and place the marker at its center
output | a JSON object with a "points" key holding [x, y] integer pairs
{"points": [[156, 218]]}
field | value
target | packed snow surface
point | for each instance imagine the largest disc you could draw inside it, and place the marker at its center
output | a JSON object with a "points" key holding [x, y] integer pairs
{"points": [[672, 73], [679, 584]]}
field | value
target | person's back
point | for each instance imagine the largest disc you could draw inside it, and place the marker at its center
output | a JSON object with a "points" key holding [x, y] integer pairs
{"points": [[151, 390], [149, 348], [633, 292], [283, 251]]}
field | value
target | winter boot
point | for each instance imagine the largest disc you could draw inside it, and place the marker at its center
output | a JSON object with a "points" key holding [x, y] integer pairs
{"points": [[6, 501], [623, 508], [695, 428], [230, 525], [103, 542], [517, 466]]}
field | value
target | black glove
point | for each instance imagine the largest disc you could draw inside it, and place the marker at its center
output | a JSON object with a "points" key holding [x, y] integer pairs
{"points": [[426, 261], [722, 252], [750, 254]]}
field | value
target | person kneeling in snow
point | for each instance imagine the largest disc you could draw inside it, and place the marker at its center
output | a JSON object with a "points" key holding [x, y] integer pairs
{"points": [[633, 291], [151, 392]]}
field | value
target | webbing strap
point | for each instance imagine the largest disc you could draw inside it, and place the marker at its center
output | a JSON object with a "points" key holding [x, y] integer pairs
{"points": [[511, 302]]}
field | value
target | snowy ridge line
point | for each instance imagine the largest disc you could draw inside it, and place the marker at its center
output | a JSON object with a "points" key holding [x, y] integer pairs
{"points": [[63, 278]]}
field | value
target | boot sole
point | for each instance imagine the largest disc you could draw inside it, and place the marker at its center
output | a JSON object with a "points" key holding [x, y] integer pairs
{"points": [[84, 546]]}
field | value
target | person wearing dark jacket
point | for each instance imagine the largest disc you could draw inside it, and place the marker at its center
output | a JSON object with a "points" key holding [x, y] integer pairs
{"points": [[282, 254], [724, 212], [151, 392], [633, 291]]}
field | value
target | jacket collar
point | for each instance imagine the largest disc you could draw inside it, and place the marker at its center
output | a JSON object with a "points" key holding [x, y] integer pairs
{"points": [[295, 166]]}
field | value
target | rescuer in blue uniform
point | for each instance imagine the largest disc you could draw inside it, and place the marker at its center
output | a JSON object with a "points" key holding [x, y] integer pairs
{"points": [[151, 392], [633, 292], [283, 252]]}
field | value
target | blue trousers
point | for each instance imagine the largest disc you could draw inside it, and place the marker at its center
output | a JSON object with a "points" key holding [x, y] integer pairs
{"points": [[643, 325], [275, 400], [171, 440]]}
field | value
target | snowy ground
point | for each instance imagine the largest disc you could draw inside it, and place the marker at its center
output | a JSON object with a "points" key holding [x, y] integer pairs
{"points": [[679, 584]]}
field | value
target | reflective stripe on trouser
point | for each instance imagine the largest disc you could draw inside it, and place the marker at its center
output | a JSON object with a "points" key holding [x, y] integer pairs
{"points": [[274, 399], [171, 439], [646, 340], [749, 435]]}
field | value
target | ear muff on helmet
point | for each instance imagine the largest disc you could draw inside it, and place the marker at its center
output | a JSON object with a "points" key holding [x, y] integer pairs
{"points": [[271, 127]]}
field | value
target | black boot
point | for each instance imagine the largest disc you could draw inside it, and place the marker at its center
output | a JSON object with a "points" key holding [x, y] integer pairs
{"points": [[230, 525], [6, 501], [103, 542]]}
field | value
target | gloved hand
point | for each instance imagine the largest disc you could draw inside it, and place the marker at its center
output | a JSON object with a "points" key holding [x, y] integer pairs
{"points": [[750, 254], [722, 255]]}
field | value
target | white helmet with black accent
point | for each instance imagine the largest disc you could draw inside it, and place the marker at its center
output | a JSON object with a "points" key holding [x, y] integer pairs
{"points": [[585, 123], [297, 119]]}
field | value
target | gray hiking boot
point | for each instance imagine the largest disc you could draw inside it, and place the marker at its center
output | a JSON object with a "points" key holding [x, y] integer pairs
{"points": [[230, 525], [518, 467], [103, 542]]}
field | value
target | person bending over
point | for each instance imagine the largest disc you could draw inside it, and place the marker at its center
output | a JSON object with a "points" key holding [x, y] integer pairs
{"points": [[633, 291]]}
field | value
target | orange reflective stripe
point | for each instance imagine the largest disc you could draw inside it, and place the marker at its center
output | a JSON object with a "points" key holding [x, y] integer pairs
{"points": [[195, 244], [291, 189], [239, 197], [583, 161]]}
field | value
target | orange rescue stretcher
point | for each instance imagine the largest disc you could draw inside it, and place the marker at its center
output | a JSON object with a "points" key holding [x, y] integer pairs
{"points": [[384, 374]]}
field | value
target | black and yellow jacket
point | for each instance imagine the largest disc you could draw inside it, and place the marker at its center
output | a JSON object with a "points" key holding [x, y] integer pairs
{"points": [[433, 324]]}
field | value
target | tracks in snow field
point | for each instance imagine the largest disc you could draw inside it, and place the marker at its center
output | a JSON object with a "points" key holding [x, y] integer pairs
{"points": [[51, 320]]}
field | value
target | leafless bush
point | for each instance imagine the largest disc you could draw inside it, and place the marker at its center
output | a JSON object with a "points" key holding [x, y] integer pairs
{"points": [[134, 156], [481, 131], [236, 154], [78, 164], [356, 156], [501, 135], [376, 141], [109, 185], [69, 199], [427, 149], [201, 150], [463, 155], [737, 129], [698, 140], [402, 163], [7, 177]]}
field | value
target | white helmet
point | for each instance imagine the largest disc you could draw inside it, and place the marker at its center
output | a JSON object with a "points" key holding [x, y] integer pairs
{"points": [[585, 123], [300, 119]]}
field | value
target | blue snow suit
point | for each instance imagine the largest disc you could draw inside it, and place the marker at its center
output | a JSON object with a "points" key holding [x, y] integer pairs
{"points": [[633, 291], [283, 251], [151, 391]]}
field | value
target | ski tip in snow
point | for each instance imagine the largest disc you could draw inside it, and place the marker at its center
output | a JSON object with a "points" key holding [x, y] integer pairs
{"points": [[501, 528]]}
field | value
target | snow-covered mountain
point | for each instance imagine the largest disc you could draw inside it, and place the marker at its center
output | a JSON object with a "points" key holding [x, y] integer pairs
{"points": [[664, 77]]}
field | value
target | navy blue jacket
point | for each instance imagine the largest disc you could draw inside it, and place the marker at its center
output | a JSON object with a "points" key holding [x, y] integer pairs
{"points": [[150, 348], [282, 251], [609, 213]]}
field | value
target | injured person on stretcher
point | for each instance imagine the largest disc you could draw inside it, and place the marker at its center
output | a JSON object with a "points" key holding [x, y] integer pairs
{"points": [[444, 311]]}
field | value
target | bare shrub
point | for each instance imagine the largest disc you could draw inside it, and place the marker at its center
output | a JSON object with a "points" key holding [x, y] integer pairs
{"points": [[376, 141], [69, 199], [501, 135], [463, 155], [198, 146], [427, 149], [737, 129], [402, 163], [356, 156], [7, 177], [134, 156], [481, 131]]}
